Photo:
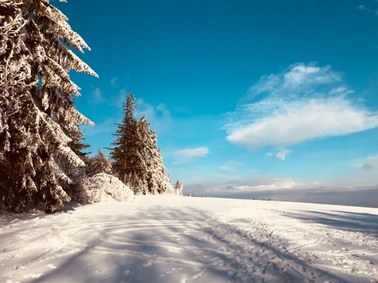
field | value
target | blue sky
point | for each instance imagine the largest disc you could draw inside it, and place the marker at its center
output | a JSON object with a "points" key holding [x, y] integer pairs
{"points": [[244, 94]]}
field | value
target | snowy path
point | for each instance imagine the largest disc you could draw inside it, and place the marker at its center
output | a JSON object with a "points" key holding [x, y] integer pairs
{"points": [[180, 239]]}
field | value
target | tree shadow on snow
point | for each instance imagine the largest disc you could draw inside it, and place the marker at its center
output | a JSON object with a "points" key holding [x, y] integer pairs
{"points": [[182, 245], [31, 213], [11, 218]]}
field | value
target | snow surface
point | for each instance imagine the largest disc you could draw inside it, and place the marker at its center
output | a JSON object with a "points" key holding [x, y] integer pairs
{"points": [[169, 238]]}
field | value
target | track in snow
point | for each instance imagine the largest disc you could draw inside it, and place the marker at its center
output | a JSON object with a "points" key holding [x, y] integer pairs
{"points": [[178, 239]]}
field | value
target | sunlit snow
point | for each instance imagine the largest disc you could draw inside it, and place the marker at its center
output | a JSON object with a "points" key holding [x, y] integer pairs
{"points": [[186, 239]]}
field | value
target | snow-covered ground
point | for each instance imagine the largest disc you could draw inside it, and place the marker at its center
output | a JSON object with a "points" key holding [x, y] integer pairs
{"points": [[187, 239]]}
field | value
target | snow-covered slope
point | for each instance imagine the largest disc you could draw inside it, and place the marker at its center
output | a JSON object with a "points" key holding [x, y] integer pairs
{"points": [[181, 239]]}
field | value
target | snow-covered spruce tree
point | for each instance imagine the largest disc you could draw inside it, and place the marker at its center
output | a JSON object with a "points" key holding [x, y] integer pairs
{"points": [[128, 163], [157, 177], [179, 187], [15, 87], [136, 158], [39, 135]]}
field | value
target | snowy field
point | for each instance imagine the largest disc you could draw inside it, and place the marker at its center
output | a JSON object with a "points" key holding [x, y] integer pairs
{"points": [[184, 239]]}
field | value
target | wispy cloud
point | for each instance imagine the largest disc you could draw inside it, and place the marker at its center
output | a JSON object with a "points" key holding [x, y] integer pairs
{"points": [[230, 166], [97, 97], [114, 81], [105, 127], [159, 116], [117, 101], [299, 79], [281, 153], [365, 8], [190, 154], [305, 102]]}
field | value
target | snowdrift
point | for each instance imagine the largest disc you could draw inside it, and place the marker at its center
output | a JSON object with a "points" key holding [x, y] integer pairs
{"points": [[105, 188]]}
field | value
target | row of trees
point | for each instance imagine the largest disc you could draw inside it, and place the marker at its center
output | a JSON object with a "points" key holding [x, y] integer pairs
{"points": [[41, 147]]}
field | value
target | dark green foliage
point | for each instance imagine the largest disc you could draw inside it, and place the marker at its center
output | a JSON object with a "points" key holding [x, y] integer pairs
{"points": [[128, 164], [136, 158]]}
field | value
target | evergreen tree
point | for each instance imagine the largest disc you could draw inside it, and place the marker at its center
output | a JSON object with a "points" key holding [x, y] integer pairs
{"points": [[128, 163], [39, 135], [157, 177], [136, 157], [178, 187]]}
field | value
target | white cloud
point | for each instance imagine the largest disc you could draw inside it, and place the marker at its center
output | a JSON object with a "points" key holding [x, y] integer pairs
{"points": [[301, 75], [281, 153], [274, 184], [304, 103], [243, 186], [295, 122], [299, 79], [341, 91], [190, 154]]}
